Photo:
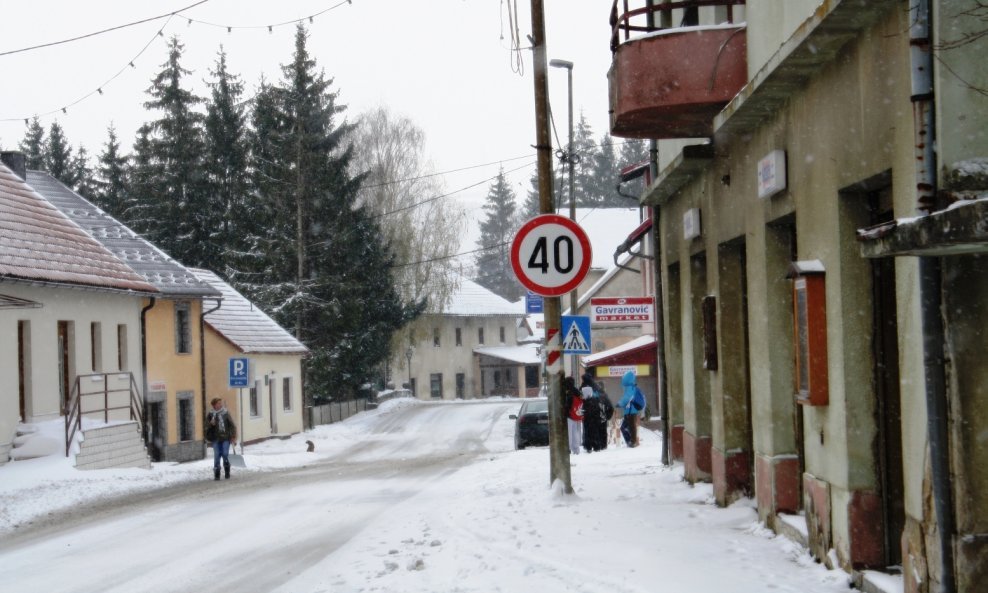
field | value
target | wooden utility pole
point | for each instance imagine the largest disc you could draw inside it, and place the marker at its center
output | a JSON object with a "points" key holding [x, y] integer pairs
{"points": [[559, 468]]}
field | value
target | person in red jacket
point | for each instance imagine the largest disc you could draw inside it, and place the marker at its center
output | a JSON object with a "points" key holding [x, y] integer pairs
{"points": [[574, 415]]}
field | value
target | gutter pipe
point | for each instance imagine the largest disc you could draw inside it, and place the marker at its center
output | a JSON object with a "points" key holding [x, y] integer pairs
{"points": [[144, 371], [931, 286]]}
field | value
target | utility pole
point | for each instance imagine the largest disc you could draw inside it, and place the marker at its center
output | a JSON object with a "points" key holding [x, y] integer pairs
{"points": [[559, 468]]}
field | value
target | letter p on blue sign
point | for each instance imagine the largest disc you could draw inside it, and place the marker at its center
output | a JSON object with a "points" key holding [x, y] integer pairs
{"points": [[239, 375]]}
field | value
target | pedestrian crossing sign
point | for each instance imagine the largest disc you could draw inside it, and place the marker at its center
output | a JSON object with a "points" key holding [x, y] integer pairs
{"points": [[576, 334]]}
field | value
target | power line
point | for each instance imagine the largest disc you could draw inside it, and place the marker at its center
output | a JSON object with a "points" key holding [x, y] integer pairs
{"points": [[95, 33], [446, 195], [160, 33]]}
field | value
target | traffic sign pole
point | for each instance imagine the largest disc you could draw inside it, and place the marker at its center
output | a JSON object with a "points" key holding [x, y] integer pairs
{"points": [[559, 468]]}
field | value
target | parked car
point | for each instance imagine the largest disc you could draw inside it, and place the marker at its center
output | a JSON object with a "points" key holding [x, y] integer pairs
{"points": [[532, 423]]}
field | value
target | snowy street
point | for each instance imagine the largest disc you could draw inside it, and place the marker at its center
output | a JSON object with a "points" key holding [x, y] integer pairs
{"points": [[413, 496]]}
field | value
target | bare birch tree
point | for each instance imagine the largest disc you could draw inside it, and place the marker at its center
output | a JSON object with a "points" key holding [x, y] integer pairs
{"points": [[423, 227]]}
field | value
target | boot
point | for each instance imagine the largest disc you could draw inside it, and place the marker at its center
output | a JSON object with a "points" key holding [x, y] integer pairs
{"points": [[226, 470], [216, 473]]}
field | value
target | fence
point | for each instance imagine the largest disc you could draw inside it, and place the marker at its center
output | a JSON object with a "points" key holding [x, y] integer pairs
{"points": [[335, 412]]}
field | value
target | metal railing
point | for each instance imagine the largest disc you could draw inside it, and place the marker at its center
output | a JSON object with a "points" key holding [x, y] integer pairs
{"points": [[647, 17], [74, 409]]}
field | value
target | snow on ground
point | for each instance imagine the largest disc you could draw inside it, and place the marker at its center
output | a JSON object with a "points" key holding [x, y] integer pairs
{"points": [[496, 524]]}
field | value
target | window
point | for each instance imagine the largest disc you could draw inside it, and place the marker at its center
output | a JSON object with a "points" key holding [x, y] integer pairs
{"points": [[501, 333], [436, 385], [435, 337], [254, 390], [480, 335], [183, 329], [122, 347], [96, 345], [810, 328], [286, 393], [459, 337], [497, 379], [186, 416]]}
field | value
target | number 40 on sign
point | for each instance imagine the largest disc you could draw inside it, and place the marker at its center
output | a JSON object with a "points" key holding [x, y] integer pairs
{"points": [[551, 255]]}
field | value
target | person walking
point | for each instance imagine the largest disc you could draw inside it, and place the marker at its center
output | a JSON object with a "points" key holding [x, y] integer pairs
{"points": [[597, 411], [633, 402], [574, 415], [221, 432]]}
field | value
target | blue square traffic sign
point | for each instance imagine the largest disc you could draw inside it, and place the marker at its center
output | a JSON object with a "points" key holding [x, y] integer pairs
{"points": [[576, 334]]}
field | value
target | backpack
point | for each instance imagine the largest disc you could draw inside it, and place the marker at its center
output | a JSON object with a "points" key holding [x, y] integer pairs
{"points": [[637, 403]]}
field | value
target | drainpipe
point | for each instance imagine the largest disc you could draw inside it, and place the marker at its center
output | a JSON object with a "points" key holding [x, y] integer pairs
{"points": [[202, 365], [931, 286], [144, 371], [660, 329]]}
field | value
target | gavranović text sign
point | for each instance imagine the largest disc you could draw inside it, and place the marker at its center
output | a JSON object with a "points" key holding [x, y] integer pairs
{"points": [[622, 309]]}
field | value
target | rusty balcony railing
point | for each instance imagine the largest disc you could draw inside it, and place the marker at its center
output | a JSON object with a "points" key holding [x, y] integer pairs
{"points": [[675, 65]]}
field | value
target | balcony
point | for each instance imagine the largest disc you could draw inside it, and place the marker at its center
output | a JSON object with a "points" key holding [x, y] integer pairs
{"points": [[670, 81]]}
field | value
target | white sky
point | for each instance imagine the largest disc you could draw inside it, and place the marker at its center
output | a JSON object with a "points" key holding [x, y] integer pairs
{"points": [[442, 63], [632, 526]]}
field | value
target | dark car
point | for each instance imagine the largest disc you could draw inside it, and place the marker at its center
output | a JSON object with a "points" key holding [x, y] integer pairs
{"points": [[532, 423]]}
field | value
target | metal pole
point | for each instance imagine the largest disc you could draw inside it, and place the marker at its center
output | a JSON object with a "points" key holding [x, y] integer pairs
{"points": [[575, 372], [559, 468]]}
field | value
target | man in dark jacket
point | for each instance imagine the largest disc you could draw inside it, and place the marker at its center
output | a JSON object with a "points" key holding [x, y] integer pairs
{"points": [[221, 431], [597, 411]]}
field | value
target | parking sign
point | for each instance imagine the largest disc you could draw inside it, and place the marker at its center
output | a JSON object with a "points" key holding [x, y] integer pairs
{"points": [[239, 372]]}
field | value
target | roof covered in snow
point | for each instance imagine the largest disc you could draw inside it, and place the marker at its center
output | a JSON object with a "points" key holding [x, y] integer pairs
{"points": [[160, 270], [243, 324], [473, 300], [38, 243], [522, 354]]}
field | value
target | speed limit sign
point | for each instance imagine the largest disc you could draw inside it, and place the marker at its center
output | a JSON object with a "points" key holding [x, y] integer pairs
{"points": [[550, 255]]}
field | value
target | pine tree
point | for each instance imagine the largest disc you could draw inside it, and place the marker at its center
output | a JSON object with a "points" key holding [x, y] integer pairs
{"points": [[110, 185], [33, 145], [496, 232], [82, 172], [585, 148], [606, 175], [325, 271], [172, 195], [58, 155], [225, 165], [532, 206], [140, 211]]}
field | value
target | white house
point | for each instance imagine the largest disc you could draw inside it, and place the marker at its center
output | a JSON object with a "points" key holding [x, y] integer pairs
{"points": [[69, 309], [271, 404]]}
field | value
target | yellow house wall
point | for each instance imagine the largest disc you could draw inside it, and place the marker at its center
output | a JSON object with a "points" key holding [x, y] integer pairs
{"points": [[179, 372]]}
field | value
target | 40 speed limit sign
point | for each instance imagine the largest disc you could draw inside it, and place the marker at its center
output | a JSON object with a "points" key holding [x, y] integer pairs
{"points": [[550, 255]]}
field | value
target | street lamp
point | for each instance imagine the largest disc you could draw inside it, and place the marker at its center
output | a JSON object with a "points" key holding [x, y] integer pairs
{"points": [[571, 158]]}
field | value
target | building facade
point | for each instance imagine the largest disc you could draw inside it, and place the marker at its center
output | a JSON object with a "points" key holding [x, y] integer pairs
{"points": [[802, 351]]}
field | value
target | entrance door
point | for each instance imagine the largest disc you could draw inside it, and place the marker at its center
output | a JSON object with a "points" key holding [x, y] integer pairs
{"points": [[64, 363], [156, 429], [888, 405], [23, 366]]}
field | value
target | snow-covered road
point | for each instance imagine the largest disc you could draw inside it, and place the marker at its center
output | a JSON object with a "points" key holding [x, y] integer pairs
{"points": [[413, 497]]}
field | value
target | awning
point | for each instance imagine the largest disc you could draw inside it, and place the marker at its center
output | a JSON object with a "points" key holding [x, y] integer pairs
{"points": [[641, 350]]}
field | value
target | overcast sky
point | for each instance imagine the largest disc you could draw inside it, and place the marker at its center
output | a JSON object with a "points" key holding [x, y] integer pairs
{"points": [[445, 64]]}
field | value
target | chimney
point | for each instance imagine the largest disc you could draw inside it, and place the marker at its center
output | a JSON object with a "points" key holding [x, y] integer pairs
{"points": [[16, 161]]}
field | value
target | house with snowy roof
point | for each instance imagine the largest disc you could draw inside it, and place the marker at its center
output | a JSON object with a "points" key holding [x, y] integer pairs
{"points": [[471, 349], [70, 325], [271, 404], [171, 344]]}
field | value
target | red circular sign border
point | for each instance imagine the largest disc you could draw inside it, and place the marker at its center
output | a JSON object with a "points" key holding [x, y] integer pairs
{"points": [[528, 227]]}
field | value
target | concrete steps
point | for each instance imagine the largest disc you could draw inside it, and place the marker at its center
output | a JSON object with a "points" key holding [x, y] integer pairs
{"points": [[117, 445]]}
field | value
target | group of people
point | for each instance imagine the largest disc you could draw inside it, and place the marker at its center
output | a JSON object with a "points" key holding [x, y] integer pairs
{"points": [[589, 410]]}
